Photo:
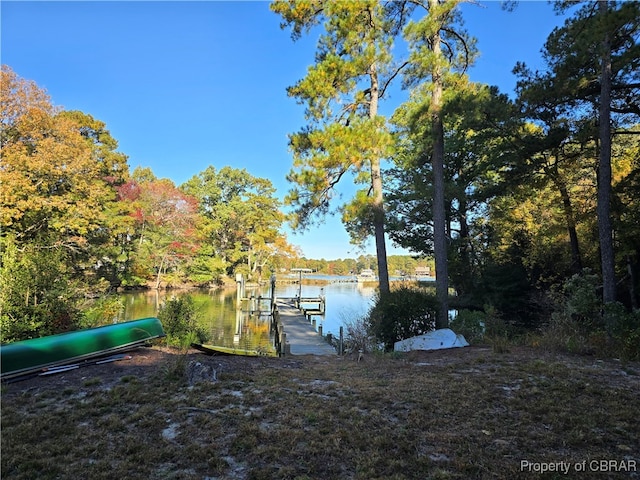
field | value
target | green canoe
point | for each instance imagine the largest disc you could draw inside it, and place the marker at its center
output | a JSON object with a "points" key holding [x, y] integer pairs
{"points": [[27, 356], [247, 352]]}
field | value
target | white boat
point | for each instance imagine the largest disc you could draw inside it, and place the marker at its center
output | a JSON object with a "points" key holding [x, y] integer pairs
{"points": [[436, 340], [367, 275]]}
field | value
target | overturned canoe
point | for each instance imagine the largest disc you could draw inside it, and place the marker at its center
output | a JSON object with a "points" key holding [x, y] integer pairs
{"points": [[436, 340], [26, 356], [247, 352]]}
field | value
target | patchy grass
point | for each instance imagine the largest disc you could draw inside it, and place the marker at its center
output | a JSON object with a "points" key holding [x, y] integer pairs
{"points": [[463, 413]]}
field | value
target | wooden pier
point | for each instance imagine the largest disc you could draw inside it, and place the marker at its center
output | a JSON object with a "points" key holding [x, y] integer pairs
{"points": [[292, 321], [300, 335]]}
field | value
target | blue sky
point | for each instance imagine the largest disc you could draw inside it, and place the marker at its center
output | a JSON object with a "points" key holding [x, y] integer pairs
{"points": [[185, 85]]}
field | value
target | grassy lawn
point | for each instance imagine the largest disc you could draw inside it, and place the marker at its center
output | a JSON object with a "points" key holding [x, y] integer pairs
{"points": [[463, 413]]}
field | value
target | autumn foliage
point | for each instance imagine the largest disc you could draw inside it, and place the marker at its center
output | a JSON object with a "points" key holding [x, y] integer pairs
{"points": [[76, 223]]}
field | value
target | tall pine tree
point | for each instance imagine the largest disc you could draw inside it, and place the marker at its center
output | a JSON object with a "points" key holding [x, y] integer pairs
{"points": [[345, 135]]}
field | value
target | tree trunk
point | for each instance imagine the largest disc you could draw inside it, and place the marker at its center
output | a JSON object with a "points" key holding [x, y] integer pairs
{"points": [[159, 276], [378, 202], [437, 160], [465, 275], [632, 284], [378, 225], [605, 229], [576, 257]]}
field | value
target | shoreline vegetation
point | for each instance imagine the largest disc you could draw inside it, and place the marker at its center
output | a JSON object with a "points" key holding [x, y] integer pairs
{"points": [[228, 283]]}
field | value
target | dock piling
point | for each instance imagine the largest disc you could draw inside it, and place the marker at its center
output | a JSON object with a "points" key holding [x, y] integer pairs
{"points": [[240, 287]]}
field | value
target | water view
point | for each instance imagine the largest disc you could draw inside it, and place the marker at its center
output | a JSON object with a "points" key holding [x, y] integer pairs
{"points": [[229, 326]]}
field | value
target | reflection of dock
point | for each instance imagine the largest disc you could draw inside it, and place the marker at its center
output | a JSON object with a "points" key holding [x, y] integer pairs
{"points": [[300, 335]]}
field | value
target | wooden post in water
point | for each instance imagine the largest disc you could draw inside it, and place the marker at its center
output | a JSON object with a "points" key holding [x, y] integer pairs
{"points": [[274, 317], [341, 344], [300, 270], [273, 290], [239, 290]]}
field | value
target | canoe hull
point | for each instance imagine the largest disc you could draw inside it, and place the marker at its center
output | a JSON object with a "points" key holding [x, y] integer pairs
{"points": [[219, 350], [19, 358]]}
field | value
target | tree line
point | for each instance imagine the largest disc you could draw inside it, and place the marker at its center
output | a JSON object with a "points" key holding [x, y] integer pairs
{"points": [[398, 265], [76, 223], [518, 199]]}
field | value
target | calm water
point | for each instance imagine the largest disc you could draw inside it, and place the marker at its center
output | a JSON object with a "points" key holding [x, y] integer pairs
{"points": [[228, 326]]}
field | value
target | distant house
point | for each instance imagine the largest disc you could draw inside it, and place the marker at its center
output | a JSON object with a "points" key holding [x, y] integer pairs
{"points": [[423, 271]]}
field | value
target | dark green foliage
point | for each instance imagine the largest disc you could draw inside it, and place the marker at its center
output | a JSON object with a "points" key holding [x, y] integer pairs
{"points": [[37, 295], [402, 313], [471, 324], [506, 287], [179, 320], [102, 311], [581, 323], [580, 301], [624, 329]]}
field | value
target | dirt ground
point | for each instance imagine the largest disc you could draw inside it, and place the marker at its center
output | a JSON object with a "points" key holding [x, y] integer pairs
{"points": [[461, 413], [147, 361]]}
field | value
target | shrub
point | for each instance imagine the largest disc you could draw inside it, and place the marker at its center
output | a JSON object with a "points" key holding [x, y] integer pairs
{"points": [[37, 295], [624, 329], [581, 323], [179, 320], [471, 324], [575, 316], [402, 313], [102, 311], [358, 335], [580, 301]]}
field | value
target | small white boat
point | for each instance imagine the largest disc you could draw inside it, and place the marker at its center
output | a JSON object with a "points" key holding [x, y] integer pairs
{"points": [[367, 275], [436, 340]]}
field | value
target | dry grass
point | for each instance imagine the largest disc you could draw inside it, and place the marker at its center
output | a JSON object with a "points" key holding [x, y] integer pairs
{"points": [[463, 413]]}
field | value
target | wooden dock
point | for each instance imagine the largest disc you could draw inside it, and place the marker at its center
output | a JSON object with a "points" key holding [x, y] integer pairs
{"points": [[300, 333]]}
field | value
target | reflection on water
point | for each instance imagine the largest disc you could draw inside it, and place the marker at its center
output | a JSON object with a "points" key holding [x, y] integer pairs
{"points": [[227, 326]]}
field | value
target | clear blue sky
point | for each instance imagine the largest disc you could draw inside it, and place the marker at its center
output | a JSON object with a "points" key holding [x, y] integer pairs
{"points": [[185, 85]]}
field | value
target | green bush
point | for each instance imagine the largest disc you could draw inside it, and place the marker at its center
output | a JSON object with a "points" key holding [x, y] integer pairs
{"points": [[575, 317], [624, 331], [581, 323], [581, 302], [403, 313], [37, 295], [103, 311], [179, 320], [471, 324]]}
